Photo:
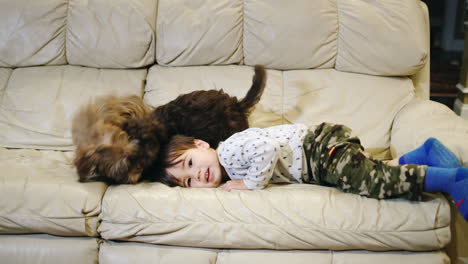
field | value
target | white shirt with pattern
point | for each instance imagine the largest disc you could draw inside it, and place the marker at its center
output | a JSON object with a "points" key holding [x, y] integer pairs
{"points": [[265, 155]]}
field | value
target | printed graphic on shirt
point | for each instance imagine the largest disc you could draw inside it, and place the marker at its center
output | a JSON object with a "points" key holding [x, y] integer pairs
{"points": [[262, 156]]}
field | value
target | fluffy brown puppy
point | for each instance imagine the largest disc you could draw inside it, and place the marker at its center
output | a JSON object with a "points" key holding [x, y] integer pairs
{"points": [[210, 115], [118, 139], [104, 152]]}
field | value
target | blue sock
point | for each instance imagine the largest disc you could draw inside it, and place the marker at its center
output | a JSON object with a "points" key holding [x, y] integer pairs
{"points": [[439, 179], [459, 191], [431, 153], [451, 180]]}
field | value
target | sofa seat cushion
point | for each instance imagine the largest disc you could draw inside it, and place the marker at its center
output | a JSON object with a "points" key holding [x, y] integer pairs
{"points": [[297, 216], [115, 253], [40, 193], [42, 249], [38, 103]]}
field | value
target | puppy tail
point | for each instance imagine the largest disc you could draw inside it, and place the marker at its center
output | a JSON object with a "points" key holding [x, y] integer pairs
{"points": [[256, 90]]}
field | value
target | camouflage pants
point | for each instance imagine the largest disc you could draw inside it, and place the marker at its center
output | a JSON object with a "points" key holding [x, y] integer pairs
{"points": [[337, 159]]}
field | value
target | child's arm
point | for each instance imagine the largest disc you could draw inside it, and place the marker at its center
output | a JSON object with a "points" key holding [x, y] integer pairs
{"points": [[235, 185]]}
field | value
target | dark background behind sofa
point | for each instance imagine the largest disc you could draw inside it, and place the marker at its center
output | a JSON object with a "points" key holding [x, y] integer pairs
{"points": [[447, 36]]}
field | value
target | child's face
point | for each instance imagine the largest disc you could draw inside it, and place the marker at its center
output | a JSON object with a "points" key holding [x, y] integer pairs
{"points": [[198, 167]]}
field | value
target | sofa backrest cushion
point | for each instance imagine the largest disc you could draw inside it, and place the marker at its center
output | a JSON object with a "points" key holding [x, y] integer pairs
{"points": [[165, 84], [297, 96], [373, 37], [32, 32], [290, 34], [111, 33], [95, 33], [38, 103], [381, 37], [199, 32], [5, 74], [365, 103]]}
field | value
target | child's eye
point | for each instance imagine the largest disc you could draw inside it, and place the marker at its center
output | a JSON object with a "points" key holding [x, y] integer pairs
{"points": [[190, 163]]}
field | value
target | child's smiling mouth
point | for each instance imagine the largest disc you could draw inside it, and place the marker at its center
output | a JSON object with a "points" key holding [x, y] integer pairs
{"points": [[208, 175]]}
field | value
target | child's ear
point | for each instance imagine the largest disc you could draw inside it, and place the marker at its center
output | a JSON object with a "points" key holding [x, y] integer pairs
{"points": [[201, 143]]}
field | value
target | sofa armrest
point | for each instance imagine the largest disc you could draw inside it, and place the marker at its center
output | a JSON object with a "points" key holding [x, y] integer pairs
{"points": [[421, 119], [413, 124]]}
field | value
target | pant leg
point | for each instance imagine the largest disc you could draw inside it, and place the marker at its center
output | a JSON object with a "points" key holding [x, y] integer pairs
{"points": [[337, 159]]}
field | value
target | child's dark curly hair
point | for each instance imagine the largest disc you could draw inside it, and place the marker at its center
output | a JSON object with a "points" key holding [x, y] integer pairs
{"points": [[169, 154]]}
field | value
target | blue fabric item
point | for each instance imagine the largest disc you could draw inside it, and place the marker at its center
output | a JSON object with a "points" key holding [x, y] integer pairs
{"points": [[451, 180], [431, 153], [459, 192], [463, 208], [439, 179]]}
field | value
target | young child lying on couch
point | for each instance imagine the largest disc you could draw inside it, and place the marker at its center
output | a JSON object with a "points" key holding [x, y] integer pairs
{"points": [[328, 156]]}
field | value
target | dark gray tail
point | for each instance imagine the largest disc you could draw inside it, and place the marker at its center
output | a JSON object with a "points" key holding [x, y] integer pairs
{"points": [[256, 90]]}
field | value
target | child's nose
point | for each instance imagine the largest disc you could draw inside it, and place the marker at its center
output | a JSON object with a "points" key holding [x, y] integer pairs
{"points": [[201, 174], [196, 174]]}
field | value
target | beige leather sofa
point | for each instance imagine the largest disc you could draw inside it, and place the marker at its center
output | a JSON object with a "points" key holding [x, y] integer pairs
{"points": [[361, 63]]}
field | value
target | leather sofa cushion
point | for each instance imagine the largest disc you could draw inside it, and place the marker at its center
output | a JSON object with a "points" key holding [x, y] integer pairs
{"points": [[270, 38], [199, 32], [371, 37], [366, 103], [5, 74], [382, 37], [166, 83], [116, 253], [111, 33], [421, 119], [296, 216], [32, 32], [45, 249], [38, 103], [41, 194]]}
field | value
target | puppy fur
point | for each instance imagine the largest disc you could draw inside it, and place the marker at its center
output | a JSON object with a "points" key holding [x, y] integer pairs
{"points": [[104, 152], [118, 144], [210, 115]]}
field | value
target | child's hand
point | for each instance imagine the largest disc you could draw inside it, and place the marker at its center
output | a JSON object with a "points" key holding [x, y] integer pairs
{"points": [[234, 185]]}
